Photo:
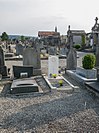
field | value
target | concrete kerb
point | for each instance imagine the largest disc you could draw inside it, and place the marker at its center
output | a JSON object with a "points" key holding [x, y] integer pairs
{"points": [[68, 89], [78, 78]]}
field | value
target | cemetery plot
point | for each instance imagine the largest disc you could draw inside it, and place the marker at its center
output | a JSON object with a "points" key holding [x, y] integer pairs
{"points": [[24, 86], [59, 83]]}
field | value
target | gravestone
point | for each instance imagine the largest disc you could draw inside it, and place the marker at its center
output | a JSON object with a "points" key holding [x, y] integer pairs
{"points": [[63, 51], [97, 74], [72, 55], [97, 52], [31, 57], [3, 68], [71, 60], [9, 48], [52, 50], [26, 71], [19, 49], [53, 65]]}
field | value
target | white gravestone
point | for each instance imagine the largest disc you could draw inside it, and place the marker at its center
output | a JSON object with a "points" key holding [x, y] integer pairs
{"points": [[53, 64]]}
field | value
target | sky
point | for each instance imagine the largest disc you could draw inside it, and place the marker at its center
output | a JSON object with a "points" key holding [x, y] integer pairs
{"points": [[27, 17]]}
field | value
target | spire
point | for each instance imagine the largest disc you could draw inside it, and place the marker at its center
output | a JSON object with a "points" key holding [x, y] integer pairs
{"points": [[69, 27], [55, 29], [96, 20]]}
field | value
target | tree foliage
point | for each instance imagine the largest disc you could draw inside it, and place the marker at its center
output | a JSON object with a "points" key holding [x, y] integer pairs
{"points": [[4, 36], [89, 61], [22, 38]]}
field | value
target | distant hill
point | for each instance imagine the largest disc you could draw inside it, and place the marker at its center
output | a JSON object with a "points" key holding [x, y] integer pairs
{"points": [[17, 36], [14, 36]]}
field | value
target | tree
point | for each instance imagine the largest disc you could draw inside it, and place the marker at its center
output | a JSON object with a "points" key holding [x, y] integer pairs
{"points": [[22, 38], [4, 36]]}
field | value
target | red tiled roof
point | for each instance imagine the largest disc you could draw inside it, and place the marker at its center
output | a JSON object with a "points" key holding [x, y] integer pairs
{"points": [[47, 33]]}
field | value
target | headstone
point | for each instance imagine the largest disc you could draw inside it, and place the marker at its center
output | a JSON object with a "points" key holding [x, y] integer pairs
{"points": [[53, 65], [9, 48], [97, 53], [3, 68], [98, 74], [52, 50], [2, 63], [19, 49], [72, 60], [63, 51], [20, 71], [72, 55], [31, 57]]}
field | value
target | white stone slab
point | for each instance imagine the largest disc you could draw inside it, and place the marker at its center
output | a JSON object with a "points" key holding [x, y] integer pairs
{"points": [[53, 65]]}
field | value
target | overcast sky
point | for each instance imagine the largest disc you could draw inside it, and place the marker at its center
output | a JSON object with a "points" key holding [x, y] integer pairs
{"points": [[27, 17]]}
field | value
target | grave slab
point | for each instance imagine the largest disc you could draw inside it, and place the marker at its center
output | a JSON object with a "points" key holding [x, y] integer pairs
{"points": [[25, 85], [94, 86]]}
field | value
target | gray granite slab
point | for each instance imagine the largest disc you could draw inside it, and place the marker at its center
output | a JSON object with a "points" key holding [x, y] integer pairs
{"points": [[93, 85], [24, 86]]}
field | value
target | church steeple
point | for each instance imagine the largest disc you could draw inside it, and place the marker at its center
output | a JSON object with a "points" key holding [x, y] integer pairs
{"points": [[55, 29], [96, 20]]}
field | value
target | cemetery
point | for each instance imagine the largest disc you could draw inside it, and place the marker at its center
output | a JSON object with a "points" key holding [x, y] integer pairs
{"points": [[48, 93]]}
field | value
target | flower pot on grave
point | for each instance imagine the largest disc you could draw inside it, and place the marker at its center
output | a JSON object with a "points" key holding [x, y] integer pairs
{"points": [[54, 75], [61, 82]]}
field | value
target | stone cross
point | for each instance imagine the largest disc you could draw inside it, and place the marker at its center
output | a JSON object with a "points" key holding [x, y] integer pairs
{"points": [[70, 37]]}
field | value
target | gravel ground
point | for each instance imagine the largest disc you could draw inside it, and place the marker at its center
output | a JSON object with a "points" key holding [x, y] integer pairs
{"points": [[53, 112]]}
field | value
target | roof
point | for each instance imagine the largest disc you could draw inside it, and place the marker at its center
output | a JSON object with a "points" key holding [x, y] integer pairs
{"points": [[48, 33], [78, 32]]}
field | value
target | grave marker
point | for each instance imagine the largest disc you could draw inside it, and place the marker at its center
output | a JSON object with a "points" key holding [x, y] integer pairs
{"points": [[53, 64], [3, 68], [31, 57]]}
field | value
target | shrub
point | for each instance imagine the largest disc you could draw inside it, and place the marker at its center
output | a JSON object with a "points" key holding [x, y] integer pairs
{"points": [[89, 61], [77, 46]]}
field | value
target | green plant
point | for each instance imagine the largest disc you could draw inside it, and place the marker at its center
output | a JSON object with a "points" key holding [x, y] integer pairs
{"points": [[4, 36], [89, 61], [77, 46], [83, 40], [54, 75], [60, 82]]}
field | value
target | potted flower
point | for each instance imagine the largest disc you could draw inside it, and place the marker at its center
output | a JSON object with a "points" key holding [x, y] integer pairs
{"points": [[87, 70], [60, 82], [54, 75]]}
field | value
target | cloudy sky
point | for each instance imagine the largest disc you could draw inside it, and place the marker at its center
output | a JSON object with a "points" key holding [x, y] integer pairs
{"points": [[27, 17]]}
